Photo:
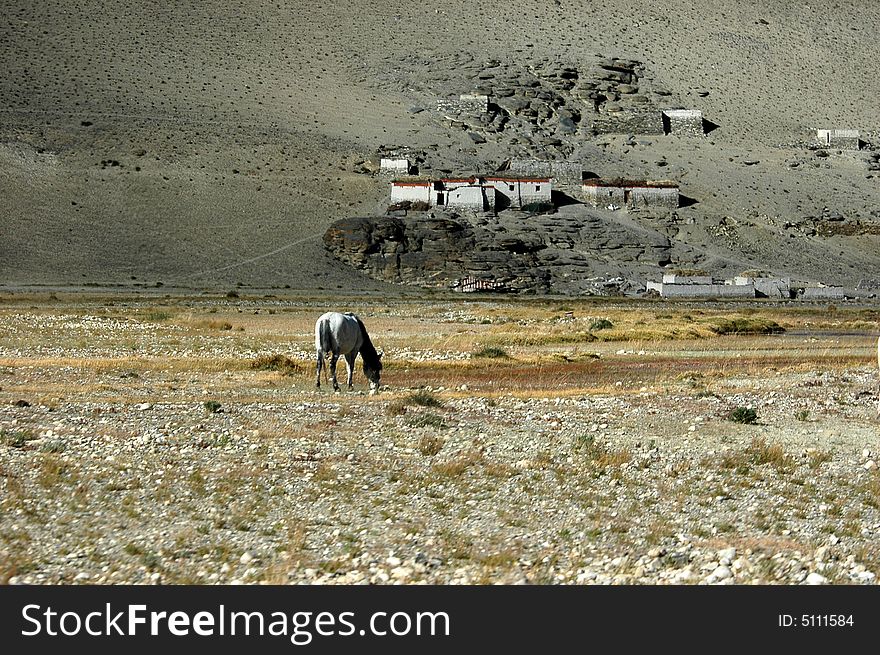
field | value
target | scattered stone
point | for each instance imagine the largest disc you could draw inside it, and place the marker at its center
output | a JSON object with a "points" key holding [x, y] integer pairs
{"points": [[816, 579]]}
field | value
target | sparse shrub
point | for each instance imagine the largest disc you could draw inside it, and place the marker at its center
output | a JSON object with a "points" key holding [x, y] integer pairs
{"points": [[815, 458], [276, 362], [601, 324], [745, 415], [212, 406], [16, 438], [456, 467], [430, 445], [158, 315], [424, 398], [760, 452], [53, 446], [213, 325], [427, 420], [232, 294], [803, 415], [396, 408], [490, 352], [598, 454], [741, 325]]}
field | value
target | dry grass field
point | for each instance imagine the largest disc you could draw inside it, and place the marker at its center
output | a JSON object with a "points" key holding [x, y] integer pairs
{"points": [[174, 440]]}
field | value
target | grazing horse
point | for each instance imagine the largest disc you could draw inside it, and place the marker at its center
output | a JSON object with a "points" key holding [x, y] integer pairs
{"points": [[344, 334]]}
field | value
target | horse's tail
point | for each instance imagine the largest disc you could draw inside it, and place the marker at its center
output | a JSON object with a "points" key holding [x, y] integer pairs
{"points": [[323, 340]]}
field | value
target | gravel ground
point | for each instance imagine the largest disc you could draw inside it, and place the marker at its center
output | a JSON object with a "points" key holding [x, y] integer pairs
{"points": [[167, 468]]}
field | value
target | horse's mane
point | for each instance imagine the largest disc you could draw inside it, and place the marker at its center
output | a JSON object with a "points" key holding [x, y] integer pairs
{"points": [[369, 356]]}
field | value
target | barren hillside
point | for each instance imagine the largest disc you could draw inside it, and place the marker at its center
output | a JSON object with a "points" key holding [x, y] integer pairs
{"points": [[211, 144]]}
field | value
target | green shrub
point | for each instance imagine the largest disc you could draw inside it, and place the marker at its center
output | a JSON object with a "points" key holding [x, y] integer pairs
{"points": [[424, 398], [601, 324], [741, 325], [426, 420], [490, 352], [212, 406], [16, 438], [743, 415]]}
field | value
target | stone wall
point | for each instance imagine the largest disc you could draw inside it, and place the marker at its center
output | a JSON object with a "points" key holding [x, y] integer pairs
{"points": [[467, 103], [707, 291], [629, 121], [769, 287], [653, 198], [632, 195], [843, 139], [563, 173], [675, 278], [603, 196], [824, 293], [394, 167], [683, 122]]}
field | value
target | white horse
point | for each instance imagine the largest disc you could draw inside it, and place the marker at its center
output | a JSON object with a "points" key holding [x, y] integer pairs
{"points": [[344, 334]]}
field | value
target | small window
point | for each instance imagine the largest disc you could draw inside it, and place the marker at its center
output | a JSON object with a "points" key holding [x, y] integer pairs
{"points": [[537, 187], [510, 187]]}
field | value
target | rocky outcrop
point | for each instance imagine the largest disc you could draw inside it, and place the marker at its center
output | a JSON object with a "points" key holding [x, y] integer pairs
{"points": [[578, 253]]}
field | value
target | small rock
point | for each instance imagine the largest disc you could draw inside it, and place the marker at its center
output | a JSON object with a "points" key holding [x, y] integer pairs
{"points": [[870, 465], [728, 553], [21, 403], [246, 557], [816, 579], [142, 407]]}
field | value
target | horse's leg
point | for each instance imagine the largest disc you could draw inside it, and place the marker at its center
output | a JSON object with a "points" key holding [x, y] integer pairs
{"points": [[333, 359], [349, 362], [319, 366]]}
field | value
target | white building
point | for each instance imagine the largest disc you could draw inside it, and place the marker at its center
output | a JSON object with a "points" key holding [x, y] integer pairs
{"points": [[632, 194], [412, 191], [683, 122], [520, 192], [843, 139], [389, 166], [474, 193]]}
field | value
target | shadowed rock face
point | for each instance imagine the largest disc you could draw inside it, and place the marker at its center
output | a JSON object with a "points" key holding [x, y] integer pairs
{"points": [[520, 252]]}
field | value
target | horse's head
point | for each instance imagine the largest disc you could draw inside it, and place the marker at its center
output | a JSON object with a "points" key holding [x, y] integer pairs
{"points": [[373, 371]]}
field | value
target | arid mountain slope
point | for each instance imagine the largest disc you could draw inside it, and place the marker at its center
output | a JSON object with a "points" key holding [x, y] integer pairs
{"points": [[210, 144]]}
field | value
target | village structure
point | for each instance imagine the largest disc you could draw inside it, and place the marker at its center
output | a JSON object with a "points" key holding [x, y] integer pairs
{"points": [[529, 183], [631, 194], [475, 193], [649, 121], [746, 285], [842, 139]]}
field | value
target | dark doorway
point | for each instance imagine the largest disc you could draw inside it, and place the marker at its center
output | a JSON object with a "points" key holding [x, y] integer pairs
{"points": [[440, 200]]}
